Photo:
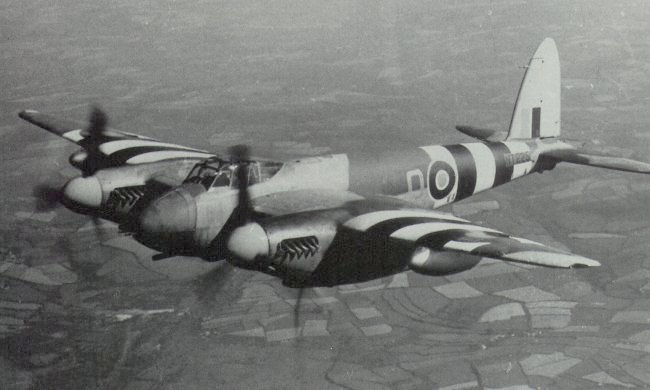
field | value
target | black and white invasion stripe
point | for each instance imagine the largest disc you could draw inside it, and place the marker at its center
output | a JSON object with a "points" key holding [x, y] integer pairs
{"points": [[432, 229], [117, 151], [443, 232], [459, 171]]}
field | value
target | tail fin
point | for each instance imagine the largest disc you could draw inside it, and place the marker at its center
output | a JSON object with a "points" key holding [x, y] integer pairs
{"points": [[537, 110]]}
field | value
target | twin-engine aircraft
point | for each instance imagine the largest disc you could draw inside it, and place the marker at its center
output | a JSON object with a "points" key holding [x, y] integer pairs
{"points": [[333, 219]]}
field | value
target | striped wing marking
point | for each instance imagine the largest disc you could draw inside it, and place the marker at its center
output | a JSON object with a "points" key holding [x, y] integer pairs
{"points": [[116, 147], [442, 232]]}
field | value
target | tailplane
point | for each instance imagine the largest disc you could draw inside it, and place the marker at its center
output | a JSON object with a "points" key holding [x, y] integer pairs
{"points": [[537, 109], [595, 159], [537, 115]]}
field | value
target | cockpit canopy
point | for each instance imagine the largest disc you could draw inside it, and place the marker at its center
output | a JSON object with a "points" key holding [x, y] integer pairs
{"points": [[218, 173]]}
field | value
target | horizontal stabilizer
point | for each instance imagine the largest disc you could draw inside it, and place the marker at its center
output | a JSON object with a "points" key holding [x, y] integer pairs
{"points": [[482, 134], [593, 159]]}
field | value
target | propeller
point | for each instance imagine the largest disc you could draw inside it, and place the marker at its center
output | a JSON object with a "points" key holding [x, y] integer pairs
{"points": [[97, 122], [212, 285], [49, 197], [243, 212], [235, 236]]}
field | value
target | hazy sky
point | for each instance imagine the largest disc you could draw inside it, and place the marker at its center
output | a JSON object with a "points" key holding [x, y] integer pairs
{"points": [[400, 70]]}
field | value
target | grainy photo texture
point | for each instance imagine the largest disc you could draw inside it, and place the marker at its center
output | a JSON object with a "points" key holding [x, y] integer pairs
{"points": [[317, 194]]}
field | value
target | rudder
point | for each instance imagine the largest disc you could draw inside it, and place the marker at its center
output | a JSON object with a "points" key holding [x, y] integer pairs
{"points": [[537, 109]]}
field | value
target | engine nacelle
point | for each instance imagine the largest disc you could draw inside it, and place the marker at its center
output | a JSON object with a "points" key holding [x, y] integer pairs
{"points": [[117, 191], [437, 263], [291, 245]]}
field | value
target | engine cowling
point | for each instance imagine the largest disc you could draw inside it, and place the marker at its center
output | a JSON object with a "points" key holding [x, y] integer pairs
{"points": [[288, 244], [437, 263], [115, 192]]}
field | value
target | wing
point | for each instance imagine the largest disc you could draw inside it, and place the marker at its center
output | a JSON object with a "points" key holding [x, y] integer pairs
{"points": [[364, 239], [385, 218], [112, 147], [442, 232], [290, 202]]}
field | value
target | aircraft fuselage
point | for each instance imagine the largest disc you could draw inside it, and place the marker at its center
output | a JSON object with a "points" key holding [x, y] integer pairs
{"points": [[428, 177]]}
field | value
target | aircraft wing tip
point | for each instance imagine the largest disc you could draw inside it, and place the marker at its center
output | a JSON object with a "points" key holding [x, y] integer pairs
{"points": [[26, 112], [589, 264]]}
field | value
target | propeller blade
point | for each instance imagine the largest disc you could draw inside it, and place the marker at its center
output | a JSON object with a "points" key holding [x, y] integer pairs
{"points": [[97, 122], [240, 154], [47, 197], [296, 308], [97, 125], [213, 289], [99, 230]]}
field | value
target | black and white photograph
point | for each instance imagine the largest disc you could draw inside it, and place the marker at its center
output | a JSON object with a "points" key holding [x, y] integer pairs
{"points": [[300, 194]]}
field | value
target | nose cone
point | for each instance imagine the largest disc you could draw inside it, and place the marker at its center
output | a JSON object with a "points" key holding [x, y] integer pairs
{"points": [[247, 243], [172, 213], [84, 191]]}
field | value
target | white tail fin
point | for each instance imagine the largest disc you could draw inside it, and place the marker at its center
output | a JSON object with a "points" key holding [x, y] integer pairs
{"points": [[537, 110]]}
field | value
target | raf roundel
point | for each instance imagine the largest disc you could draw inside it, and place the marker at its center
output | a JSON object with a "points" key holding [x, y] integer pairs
{"points": [[441, 179]]}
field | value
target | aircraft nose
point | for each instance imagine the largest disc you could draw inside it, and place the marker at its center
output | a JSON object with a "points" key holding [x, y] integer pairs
{"points": [[84, 191], [172, 213]]}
